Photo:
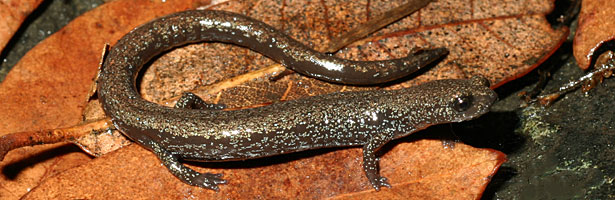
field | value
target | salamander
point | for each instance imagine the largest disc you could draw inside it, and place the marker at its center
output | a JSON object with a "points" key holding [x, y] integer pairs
{"points": [[198, 131]]}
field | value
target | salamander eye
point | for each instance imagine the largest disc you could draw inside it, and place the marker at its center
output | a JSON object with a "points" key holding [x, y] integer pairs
{"points": [[462, 103]]}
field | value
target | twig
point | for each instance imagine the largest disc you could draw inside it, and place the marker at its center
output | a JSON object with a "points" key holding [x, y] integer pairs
{"points": [[605, 65], [376, 24], [12, 141]]}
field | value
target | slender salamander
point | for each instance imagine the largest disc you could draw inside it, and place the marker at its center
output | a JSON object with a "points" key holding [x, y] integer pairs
{"points": [[369, 118]]}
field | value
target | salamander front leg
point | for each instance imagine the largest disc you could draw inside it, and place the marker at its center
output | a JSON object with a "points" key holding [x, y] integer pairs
{"points": [[370, 162], [190, 100], [187, 175]]}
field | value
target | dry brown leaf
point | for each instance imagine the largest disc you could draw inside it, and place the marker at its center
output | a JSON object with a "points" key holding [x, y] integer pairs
{"points": [[12, 14], [468, 164], [133, 172], [596, 26], [501, 40], [412, 168], [48, 89]]}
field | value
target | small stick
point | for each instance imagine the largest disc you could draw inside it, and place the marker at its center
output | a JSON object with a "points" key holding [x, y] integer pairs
{"points": [[367, 28], [12, 141], [376, 24], [605, 65]]}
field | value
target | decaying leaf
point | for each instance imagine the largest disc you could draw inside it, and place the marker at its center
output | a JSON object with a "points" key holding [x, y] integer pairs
{"points": [[413, 168], [498, 39], [48, 89], [596, 26], [12, 13]]}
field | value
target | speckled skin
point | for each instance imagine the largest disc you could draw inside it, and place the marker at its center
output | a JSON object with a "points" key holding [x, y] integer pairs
{"points": [[368, 118]]}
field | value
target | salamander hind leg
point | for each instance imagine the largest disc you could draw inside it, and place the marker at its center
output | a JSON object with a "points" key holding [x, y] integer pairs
{"points": [[370, 162], [191, 101], [187, 175]]}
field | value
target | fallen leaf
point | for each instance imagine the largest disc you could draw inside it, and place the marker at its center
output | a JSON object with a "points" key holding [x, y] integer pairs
{"points": [[413, 170], [501, 40], [133, 172], [596, 27], [13, 13], [426, 183], [48, 89]]}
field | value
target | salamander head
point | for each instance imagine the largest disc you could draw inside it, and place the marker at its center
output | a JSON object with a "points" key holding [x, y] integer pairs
{"points": [[452, 100]]}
